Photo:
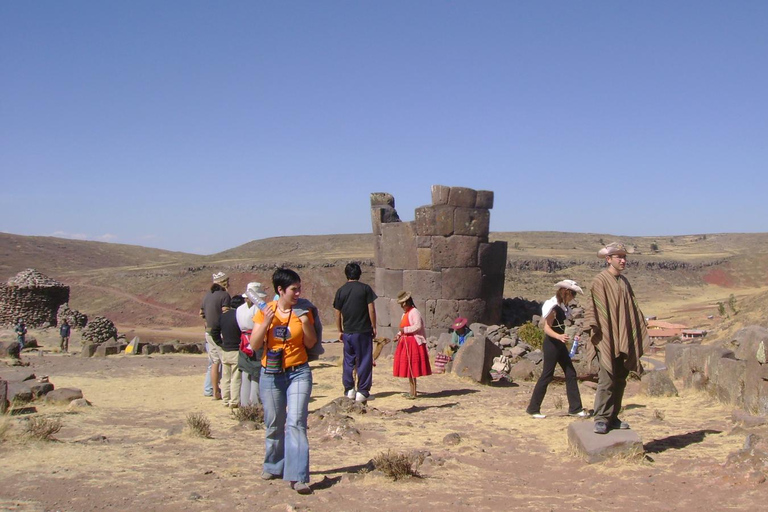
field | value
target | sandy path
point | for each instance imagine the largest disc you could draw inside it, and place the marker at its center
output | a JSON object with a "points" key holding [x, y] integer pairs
{"points": [[505, 460]]}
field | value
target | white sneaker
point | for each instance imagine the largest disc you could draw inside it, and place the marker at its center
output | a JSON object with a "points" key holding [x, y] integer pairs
{"points": [[359, 397], [581, 414], [538, 416], [351, 394]]}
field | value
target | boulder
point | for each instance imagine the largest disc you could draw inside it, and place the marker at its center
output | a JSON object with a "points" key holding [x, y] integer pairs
{"points": [[106, 349], [3, 396], [63, 395], [40, 388], [624, 444], [19, 392], [167, 348], [525, 369], [537, 356], [657, 383], [188, 348], [88, 350], [9, 349], [475, 359]]}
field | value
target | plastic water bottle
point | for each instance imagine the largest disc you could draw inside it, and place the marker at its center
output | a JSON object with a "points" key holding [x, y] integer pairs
{"points": [[574, 347], [256, 299]]}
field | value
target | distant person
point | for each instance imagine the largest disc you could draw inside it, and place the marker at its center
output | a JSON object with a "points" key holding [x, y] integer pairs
{"points": [[617, 332], [230, 351], [64, 332], [355, 313], [285, 385], [21, 334], [411, 357], [555, 312], [460, 333], [215, 302], [249, 361]]}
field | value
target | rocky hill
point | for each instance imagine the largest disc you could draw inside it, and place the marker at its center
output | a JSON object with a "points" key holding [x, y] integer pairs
{"points": [[681, 277]]}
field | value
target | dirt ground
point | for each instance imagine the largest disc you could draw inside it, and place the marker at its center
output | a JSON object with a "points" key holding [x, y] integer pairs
{"points": [[505, 460]]}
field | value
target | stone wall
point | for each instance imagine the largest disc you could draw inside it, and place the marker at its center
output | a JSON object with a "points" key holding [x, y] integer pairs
{"points": [[32, 296], [736, 374], [443, 258]]}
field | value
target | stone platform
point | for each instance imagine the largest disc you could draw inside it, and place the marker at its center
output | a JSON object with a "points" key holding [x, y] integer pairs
{"points": [[624, 444]]}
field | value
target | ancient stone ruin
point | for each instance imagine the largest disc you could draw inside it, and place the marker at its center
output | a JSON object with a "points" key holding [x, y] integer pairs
{"points": [[443, 258], [32, 296]]}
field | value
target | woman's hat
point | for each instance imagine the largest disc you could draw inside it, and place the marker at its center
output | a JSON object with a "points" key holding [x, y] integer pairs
{"points": [[403, 296], [220, 277], [569, 284], [459, 323]]}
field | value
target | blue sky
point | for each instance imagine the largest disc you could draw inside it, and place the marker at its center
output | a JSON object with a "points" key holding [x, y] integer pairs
{"points": [[199, 126]]}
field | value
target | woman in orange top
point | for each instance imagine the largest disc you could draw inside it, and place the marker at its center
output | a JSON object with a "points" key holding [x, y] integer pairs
{"points": [[285, 384], [411, 356]]}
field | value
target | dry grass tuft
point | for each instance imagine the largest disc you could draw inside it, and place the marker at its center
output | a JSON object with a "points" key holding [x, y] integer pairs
{"points": [[254, 413], [199, 424], [658, 414], [395, 465], [5, 427], [42, 428], [558, 402]]}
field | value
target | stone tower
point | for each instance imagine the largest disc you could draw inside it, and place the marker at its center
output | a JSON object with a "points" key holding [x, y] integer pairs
{"points": [[443, 258], [32, 296]]}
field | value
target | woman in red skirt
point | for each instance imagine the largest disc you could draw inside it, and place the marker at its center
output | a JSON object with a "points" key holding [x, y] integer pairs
{"points": [[411, 357]]}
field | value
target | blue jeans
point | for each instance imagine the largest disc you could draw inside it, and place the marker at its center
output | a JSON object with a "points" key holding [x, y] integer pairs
{"points": [[285, 398]]}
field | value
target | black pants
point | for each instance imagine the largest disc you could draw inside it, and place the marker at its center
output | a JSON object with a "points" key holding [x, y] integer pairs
{"points": [[556, 352]]}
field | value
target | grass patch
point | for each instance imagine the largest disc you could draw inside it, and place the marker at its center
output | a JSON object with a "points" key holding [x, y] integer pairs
{"points": [[42, 428], [254, 413], [395, 465], [199, 425]]}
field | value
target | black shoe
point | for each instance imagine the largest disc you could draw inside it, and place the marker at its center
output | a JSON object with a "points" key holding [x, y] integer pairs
{"points": [[601, 427], [617, 424]]}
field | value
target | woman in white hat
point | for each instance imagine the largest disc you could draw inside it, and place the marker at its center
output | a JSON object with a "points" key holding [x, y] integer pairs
{"points": [[554, 312], [411, 357]]}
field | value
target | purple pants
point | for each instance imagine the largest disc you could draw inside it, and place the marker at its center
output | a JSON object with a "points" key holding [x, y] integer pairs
{"points": [[358, 353]]}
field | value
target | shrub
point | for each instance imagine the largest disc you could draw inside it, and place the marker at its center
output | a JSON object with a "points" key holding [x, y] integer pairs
{"points": [[42, 428], [254, 413], [531, 334], [199, 425], [395, 465]]}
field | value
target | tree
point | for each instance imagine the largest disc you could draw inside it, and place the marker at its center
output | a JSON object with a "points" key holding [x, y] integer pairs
{"points": [[654, 247], [721, 308], [732, 303]]}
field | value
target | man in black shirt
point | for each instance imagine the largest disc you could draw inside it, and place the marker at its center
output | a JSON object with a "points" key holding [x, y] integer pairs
{"points": [[354, 304]]}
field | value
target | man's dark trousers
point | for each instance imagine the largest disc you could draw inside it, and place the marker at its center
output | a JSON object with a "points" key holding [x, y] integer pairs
{"points": [[358, 352]]}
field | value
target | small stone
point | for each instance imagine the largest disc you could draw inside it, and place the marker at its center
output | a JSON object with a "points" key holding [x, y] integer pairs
{"points": [[452, 439]]}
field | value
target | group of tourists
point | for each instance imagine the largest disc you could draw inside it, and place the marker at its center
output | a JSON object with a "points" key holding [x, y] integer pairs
{"points": [[260, 351]]}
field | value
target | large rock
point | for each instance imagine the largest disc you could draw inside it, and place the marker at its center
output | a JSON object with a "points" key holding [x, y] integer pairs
{"points": [[63, 395], [475, 359], [3, 396], [525, 369], [657, 383], [624, 444], [9, 349]]}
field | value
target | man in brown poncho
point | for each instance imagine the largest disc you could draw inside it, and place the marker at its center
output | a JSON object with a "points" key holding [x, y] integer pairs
{"points": [[617, 332]]}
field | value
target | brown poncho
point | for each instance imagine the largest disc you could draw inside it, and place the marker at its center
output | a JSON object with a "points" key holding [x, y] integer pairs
{"points": [[616, 323]]}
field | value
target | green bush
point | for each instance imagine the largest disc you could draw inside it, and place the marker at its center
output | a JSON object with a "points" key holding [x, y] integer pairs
{"points": [[531, 335]]}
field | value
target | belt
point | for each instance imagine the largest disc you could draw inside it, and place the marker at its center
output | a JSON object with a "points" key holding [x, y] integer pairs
{"points": [[295, 367]]}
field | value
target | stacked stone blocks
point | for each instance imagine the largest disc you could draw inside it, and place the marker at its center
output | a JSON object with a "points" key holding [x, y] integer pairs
{"points": [[32, 296], [443, 258]]}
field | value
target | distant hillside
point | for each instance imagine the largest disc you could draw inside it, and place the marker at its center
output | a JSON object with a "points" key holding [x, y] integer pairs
{"points": [[680, 278]]}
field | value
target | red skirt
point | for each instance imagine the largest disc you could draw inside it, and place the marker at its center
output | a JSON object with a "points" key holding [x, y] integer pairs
{"points": [[411, 359]]}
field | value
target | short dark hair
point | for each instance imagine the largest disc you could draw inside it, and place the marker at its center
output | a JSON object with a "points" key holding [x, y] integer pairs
{"points": [[236, 301], [283, 278], [352, 271]]}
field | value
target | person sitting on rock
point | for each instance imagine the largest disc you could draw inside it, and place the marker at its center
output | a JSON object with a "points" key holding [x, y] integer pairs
{"points": [[460, 333]]}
